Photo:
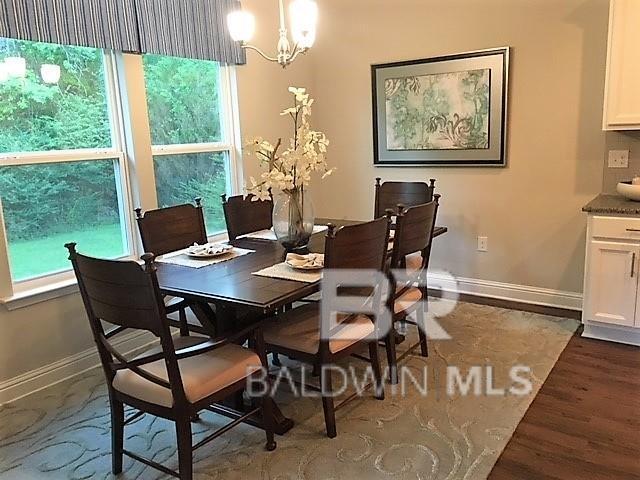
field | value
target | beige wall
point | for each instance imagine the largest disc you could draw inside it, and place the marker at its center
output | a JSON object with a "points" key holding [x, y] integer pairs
{"points": [[530, 210]]}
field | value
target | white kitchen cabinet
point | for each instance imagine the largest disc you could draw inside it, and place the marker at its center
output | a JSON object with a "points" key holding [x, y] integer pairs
{"points": [[612, 283], [611, 305], [622, 96]]}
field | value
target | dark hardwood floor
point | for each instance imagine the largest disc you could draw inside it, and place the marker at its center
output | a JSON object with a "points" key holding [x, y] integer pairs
{"points": [[585, 421]]}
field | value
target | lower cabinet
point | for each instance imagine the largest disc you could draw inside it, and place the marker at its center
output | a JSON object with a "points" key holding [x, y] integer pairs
{"points": [[612, 283], [611, 306]]}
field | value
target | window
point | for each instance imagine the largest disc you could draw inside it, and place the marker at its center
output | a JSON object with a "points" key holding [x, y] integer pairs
{"points": [[65, 175], [61, 165], [192, 145]]}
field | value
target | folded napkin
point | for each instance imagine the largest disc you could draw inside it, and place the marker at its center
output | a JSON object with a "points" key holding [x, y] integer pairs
{"points": [[310, 261], [209, 249]]}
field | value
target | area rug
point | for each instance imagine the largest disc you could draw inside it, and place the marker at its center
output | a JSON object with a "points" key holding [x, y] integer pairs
{"points": [[63, 432]]}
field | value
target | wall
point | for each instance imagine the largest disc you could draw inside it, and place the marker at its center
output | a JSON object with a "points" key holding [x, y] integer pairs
{"points": [[530, 210], [621, 141], [48, 332]]}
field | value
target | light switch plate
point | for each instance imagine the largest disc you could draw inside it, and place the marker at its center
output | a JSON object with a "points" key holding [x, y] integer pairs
{"points": [[618, 158]]}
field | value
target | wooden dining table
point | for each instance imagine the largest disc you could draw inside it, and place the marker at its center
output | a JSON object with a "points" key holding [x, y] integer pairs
{"points": [[234, 289]]}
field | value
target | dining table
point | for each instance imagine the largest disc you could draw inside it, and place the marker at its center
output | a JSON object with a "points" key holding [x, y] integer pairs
{"points": [[237, 292]]}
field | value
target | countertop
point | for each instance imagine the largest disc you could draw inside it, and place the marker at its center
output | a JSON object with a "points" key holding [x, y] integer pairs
{"points": [[612, 204]]}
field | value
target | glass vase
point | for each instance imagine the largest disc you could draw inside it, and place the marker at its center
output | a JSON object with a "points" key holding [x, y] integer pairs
{"points": [[293, 219]]}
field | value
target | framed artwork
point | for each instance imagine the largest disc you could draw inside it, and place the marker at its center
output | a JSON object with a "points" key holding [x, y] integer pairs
{"points": [[445, 111]]}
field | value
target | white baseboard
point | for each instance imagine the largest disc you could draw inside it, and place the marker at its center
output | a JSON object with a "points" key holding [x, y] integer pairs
{"points": [[612, 333], [35, 380], [506, 291]]}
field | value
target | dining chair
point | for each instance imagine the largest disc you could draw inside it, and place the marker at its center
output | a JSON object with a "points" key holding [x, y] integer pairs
{"points": [[170, 229], [411, 252], [297, 332], [175, 380], [244, 215], [391, 194]]}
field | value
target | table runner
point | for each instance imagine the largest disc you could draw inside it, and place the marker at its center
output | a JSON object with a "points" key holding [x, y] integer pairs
{"points": [[180, 258], [285, 272], [269, 234]]}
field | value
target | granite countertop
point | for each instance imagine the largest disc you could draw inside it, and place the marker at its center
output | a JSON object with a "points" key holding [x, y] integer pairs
{"points": [[615, 204]]}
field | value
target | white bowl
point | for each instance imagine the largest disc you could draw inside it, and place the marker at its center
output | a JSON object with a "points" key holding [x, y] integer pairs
{"points": [[632, 192]]}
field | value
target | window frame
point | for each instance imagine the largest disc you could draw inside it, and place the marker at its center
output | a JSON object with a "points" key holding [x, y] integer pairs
{"points": [[26, 292]]}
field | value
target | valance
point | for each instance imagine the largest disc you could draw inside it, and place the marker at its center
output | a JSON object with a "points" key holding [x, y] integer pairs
{"points": [[108, 24], [189, 29], [183, 28]]}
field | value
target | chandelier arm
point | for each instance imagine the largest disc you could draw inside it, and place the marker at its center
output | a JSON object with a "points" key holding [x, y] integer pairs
{"points": [[260, 52], [297, 51]]}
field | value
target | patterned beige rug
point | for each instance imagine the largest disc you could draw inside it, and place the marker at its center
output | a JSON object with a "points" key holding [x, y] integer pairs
{"points": [[63, 432]]}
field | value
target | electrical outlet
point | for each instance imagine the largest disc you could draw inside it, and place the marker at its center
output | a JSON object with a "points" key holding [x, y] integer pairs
{"points": [[483, 244], [618, 158]]}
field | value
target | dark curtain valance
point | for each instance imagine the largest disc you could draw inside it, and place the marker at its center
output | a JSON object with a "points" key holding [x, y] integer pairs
{"points": [[182, 28], [188, 28], [90, 23]]}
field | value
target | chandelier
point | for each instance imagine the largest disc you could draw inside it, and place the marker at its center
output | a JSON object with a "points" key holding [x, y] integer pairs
{"points": [[303, 17]]}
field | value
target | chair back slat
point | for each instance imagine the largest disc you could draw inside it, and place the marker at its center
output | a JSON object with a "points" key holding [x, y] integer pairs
{"points": [[361, 246], [414, 232], [119, 293], [390, 194], [243, 215], [173, 228]]}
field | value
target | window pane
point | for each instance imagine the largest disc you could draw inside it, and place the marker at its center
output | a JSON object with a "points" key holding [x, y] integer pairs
{"points": [[48, 205], [39, 116], [182, 178], [184, 100]]}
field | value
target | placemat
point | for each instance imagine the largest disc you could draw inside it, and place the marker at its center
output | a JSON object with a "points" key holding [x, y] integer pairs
{"points": [[271, 235], [181, 258], [285, 272]]}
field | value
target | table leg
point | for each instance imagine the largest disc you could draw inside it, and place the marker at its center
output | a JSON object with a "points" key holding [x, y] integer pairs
{"points": [[281, 423], [206, 316]]}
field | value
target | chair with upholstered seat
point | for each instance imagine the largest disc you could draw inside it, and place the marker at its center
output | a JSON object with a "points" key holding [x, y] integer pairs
{"points": [[391, 194], [175, 380], [245, 215], [411, 252], [297, 332], [167, 230]]}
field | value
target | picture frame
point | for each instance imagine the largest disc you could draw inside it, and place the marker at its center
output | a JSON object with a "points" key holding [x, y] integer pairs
{"points": [[448, 111]]}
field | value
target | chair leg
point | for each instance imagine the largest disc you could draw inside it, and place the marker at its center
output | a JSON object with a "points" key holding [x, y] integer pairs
{"points": [[327, 402], [267, 418], [390, 344], [184, 325], [421, 320], [377, 371], [117, 435], [185, 449]]}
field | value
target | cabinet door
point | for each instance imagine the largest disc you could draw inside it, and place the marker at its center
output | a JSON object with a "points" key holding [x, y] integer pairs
{"points": [[612, 283], [622, 102]]}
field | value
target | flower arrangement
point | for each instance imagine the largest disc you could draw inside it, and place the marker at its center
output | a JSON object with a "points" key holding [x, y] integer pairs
{"points": [[291, 169]]}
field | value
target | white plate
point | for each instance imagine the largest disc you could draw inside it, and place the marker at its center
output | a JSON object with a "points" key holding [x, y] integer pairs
{"points": [[208, 250]]}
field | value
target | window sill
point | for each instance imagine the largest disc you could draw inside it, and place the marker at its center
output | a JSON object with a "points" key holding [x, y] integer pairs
{"points": [[41, 294]]}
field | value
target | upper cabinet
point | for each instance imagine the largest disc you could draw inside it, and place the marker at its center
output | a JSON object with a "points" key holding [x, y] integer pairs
{"points": [[622, 91]]}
